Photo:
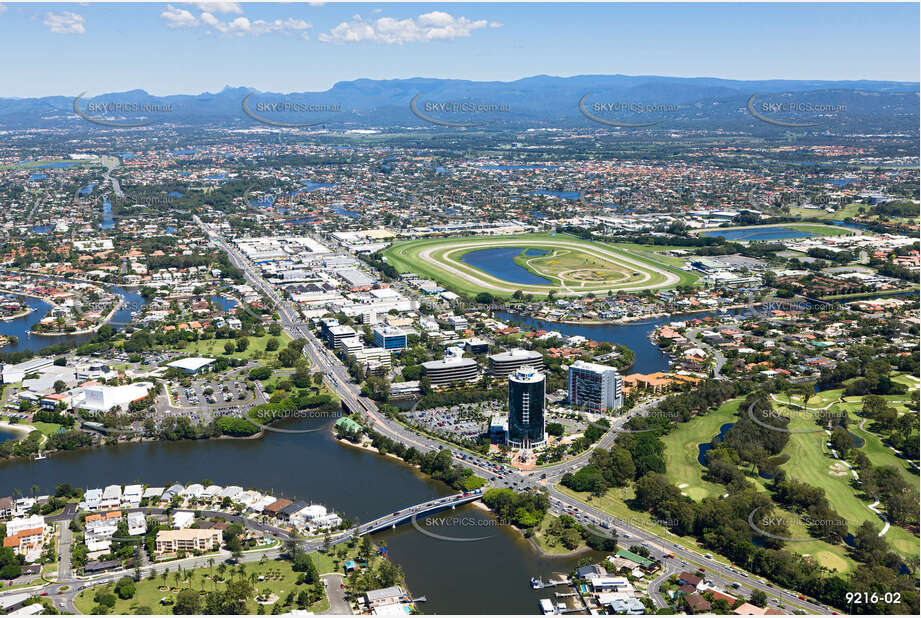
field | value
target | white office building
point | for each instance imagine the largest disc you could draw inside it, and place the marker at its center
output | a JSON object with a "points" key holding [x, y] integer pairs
{"points": [[595, 387]]}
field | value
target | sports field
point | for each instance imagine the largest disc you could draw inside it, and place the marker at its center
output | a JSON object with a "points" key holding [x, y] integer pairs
{"points": [[570, 266]]}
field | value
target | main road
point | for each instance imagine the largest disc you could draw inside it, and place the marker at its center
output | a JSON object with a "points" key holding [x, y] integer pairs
{"points": [[337, 378]]}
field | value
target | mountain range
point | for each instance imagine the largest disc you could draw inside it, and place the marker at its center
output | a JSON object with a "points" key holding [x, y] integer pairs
{"points": [[540, 102]]}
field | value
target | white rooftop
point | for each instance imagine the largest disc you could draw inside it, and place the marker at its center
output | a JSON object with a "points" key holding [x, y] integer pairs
{"points": [[191, 364]]}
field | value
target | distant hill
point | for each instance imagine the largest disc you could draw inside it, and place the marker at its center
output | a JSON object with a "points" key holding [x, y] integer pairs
{"points": [[541, 101]]}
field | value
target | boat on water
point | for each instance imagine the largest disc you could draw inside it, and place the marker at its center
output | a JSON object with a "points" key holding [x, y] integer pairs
{"points": [[39, 456]]}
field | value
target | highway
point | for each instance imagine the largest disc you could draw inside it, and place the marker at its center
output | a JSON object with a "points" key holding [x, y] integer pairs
{"points": [[337, 378]]}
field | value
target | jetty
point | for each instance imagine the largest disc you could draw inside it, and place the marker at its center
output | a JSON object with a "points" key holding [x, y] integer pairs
{"points": [[539, 584]]}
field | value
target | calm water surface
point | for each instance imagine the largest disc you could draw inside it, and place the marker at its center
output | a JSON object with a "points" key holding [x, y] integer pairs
{"points": [[485, 576], [500, 262]]}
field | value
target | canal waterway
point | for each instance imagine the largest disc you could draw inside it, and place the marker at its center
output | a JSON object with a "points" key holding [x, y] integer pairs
{"points": [[482, 576]]}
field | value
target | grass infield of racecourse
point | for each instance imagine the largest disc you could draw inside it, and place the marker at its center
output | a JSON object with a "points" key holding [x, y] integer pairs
{"points": [[573, 266]]}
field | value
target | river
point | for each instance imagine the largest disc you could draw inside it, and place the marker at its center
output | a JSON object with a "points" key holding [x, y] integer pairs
{"points": [[488, 576], [27, 341], [478, 577], [20, 327]]}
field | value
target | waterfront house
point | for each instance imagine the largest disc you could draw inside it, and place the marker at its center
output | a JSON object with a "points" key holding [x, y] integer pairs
{"points": [[193, 491], [274, 508], [153, 492], [91, 499], [384, 596], [287, 512], [170, 493], [606, 583], [131, 496], [229, 492]]}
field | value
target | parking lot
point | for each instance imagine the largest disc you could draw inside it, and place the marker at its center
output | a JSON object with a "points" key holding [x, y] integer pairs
{"points": [[210, 392], [466, 421]]}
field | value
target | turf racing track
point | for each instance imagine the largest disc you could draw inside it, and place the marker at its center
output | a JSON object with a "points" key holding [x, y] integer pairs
{"points": [[572, 266]]}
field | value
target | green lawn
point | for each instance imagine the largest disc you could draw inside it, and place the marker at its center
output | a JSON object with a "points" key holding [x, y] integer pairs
{"points": [[49, 429], [851, 210], [682, 468], [811, 461], [31, 164], [279, 580], [215, 347], [681, 450], [878, 453], [574, 278], [551, 544]]}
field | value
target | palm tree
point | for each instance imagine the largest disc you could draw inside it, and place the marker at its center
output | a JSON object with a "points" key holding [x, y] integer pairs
{"points": [[34, 490], [211, 564]]}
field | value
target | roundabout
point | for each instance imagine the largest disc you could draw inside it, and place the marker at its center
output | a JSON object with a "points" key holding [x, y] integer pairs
{"points": [[531, 263]]}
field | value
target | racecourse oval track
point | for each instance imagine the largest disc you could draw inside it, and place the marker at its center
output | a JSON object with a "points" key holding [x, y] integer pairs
{"points": [[645, 276]]}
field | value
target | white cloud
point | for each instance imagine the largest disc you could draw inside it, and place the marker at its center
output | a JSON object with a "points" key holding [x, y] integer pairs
{"points": [[178, 18], [65, 22], [239, 26], [434, 26], [220, 7]]}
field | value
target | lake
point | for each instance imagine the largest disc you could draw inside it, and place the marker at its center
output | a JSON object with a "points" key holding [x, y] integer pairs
{"points": [[703, 447], [566, 195], [761, 233], [339, 210], [108, 222], [500, 262]]}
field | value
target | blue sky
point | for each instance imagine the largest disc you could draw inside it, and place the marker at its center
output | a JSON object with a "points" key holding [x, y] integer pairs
{"points": [[181, 47]]}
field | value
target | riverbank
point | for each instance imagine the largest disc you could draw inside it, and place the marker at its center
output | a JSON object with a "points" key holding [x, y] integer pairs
{"points": [[84, 331], [479, 504], [16, 428], [353, 482], [16, 316], [649, 316]]}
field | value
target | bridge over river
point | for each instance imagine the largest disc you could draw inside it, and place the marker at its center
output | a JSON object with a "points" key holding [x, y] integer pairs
{"points": [[402, 516]]}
